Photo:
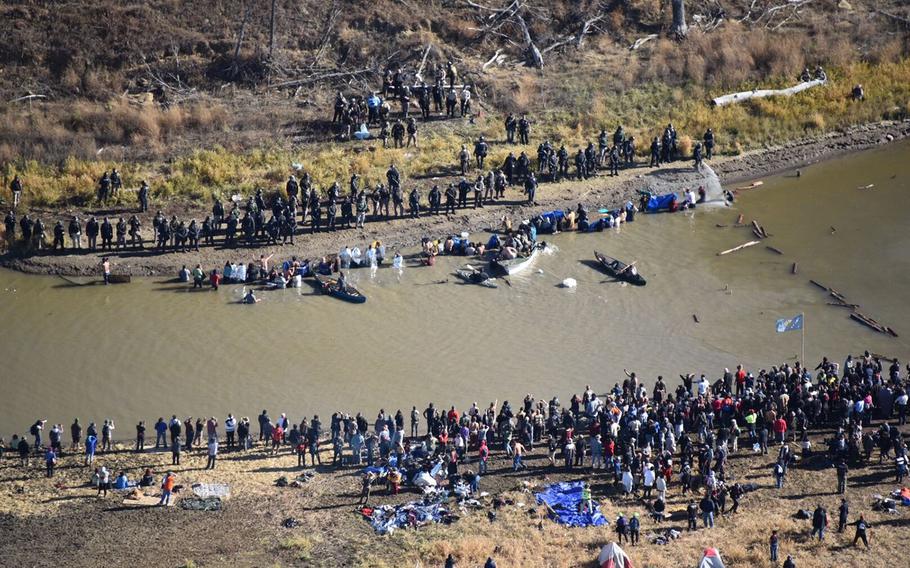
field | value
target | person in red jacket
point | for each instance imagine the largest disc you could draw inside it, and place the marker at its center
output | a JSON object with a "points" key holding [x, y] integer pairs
{"points": [[780, 429], [215, 279], [740, 380]]}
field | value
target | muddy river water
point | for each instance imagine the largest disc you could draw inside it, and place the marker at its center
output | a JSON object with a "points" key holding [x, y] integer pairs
{"points": [[152, 349]]}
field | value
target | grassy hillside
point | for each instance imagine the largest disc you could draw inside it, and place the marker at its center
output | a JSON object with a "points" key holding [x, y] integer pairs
{"points": [[155, 88]]}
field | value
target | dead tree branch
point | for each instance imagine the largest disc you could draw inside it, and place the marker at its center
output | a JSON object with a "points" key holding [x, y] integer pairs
{"points": [[586, 29], [327, 33], [895, 17], [315, 78]]}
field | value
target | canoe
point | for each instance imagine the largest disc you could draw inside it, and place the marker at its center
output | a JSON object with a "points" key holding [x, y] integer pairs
{"points": [[615, 268], [330, 286], [480, 278], [516, 265]]}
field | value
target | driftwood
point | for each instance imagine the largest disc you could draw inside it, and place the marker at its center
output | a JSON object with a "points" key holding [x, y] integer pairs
{"points": [[854, 314], [842, 305], [774, 249], [733, 98], [795, 268], [871, 323], [752, 185], [740, 247], [758, 230], [695, 317]]}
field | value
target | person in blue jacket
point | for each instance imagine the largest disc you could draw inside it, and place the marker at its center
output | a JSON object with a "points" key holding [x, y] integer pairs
{"points": [[91, 442]]}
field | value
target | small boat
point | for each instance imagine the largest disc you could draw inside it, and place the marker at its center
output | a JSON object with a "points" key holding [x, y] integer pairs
{"points": [[619, 270], [474, 276], [516, 265], [330, 286], [119, 278]]}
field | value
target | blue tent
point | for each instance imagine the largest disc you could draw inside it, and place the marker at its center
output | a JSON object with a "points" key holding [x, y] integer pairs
{"points": [[565, 500]]}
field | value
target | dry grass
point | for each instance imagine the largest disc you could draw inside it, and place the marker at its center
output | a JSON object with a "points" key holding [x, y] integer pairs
{"points": [[517, 537], [643, 111]]}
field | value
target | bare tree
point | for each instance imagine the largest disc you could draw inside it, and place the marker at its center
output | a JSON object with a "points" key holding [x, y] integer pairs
{"points": [[272, 29], [235, 65], [679, 18]]}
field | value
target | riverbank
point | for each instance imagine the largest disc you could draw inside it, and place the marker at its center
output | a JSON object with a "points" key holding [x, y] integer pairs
{"points": [[601, 191], [64, 522]]}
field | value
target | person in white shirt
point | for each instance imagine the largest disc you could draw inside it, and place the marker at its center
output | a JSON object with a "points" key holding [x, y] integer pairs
{"points": [[465, 100], [230, 427]]}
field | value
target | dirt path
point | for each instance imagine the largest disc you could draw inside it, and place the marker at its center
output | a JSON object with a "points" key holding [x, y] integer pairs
{"points": [[601, 191]]}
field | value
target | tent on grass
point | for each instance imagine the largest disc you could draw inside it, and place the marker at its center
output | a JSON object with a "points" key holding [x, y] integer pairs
{"points": [[711, 559], [612, 556]]}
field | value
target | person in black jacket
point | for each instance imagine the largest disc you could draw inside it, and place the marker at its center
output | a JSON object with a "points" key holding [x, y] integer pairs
{"points": [[842, 513], [861, 526], [819, 522]]}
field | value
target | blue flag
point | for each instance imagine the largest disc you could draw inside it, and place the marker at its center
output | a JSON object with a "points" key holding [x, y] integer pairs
{"points": [[790, 324]]}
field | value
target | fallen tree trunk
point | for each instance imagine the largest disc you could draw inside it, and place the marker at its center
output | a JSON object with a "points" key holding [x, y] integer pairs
{"points": [[497, 59], [533, 52], [641, 41], [734, 98]]}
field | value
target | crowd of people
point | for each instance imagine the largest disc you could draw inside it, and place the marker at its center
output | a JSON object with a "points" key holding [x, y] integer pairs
{"points": [[650, 442]]}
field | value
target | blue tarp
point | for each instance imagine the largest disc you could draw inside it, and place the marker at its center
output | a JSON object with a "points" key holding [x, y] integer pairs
{"points": [[565, 499], [553, 215], [592, 226], [659, 202]]}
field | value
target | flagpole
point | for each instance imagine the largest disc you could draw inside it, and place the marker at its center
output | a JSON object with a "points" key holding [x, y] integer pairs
{"points": [[803, 346]]}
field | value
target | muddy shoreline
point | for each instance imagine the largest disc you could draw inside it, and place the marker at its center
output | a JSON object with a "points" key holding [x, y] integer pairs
{"points": [[601, 191]]}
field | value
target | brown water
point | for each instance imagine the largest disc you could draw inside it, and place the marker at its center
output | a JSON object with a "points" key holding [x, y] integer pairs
{"points": [[151, 349]]}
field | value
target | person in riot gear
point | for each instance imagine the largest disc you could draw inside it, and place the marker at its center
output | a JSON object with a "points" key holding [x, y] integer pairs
{"points": [[107, 235], [580, 165], [511, 126], [135, 236], [480, 151], [524, 129], [709, 144]]}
